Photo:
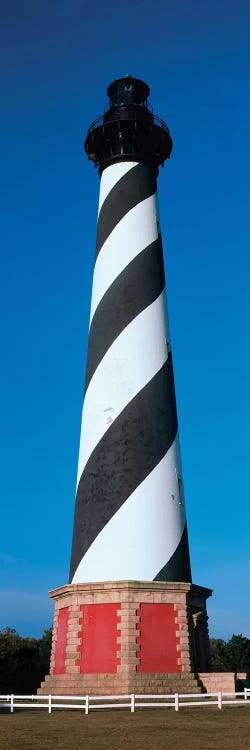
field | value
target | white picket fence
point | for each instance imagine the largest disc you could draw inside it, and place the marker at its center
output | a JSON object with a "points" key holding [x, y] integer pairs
{"points": [[88, 703]]}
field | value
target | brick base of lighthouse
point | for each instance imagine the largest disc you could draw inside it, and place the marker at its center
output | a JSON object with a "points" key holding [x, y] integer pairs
{"points": [[128, 636]]}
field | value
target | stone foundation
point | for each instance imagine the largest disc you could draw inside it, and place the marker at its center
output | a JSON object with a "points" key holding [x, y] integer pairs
{"points": [[128, 636], [218, 681]]}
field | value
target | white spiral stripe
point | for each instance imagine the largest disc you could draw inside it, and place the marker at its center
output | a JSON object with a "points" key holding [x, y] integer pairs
{"points": [[129, 364], [144, 533], [137, 229], [110, 176]]}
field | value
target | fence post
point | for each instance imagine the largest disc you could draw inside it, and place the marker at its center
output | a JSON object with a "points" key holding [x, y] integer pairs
{"points": [[176, 701], [245, 694], [49, 704], [132, 703], [86, 704], [219, 700], [12, 703]]}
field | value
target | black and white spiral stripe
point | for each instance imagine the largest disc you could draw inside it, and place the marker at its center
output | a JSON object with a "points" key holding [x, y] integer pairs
{"points": [[129, 516]]}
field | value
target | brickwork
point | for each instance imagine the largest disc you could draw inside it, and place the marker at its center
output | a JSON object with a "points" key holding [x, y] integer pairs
{"points": [[126, 639], [157, 638], [54, 640], [98, 648], [128, 596], [73, 637], [218, 681], [61, 641]]}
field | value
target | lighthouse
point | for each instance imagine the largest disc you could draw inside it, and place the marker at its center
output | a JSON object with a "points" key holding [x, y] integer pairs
{"points": [[130, 515], [130, 617]]}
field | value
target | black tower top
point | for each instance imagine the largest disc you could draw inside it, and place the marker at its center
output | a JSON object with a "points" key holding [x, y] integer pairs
{"points": [[128, 90], [128, 130]]}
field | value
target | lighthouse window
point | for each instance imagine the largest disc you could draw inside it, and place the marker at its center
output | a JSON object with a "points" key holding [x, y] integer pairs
{"points": [[180, 488]]}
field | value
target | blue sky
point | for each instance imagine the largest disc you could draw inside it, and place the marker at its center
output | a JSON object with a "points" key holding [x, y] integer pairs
{"points": [[58, 58]]}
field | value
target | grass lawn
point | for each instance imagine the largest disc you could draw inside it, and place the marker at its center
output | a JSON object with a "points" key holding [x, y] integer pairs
{"points": [[163, 729]]}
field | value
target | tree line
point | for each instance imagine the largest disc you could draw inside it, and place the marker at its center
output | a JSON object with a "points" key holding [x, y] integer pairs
{"points": [[25, 661], [232, 655]]}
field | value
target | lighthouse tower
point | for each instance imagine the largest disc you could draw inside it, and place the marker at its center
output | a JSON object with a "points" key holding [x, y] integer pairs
{"points": [[130, 617], [130, 515]]}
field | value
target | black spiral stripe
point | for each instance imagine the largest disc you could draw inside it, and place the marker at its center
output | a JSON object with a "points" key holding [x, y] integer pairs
{"points": [[178, 567], [136, 185], [133, 290], [129, 450]]}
